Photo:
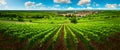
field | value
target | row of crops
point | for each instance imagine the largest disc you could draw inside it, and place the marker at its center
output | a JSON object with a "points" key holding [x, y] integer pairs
{"points": [[95, 31], [74, 34], [33, 33]]}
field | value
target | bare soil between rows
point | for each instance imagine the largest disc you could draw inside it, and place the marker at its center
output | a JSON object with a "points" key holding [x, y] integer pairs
{"points": [[10, 43], [60, 45], [113, 43]]}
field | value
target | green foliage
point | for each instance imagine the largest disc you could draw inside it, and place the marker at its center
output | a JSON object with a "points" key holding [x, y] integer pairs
{"points": [[20, 18], [30, 20], [52, 22], [97, 27], [73, 20]]}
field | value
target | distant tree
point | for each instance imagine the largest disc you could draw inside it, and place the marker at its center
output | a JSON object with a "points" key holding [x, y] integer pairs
{"points": [[0, 14], [12, 16], [30, 20], [65, 18], [73, 20], [106, 17], [20, 18], [69, 16], [52, 22], [78, 18]]}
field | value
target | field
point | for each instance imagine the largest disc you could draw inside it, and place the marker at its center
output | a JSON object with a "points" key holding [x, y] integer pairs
{"points": [[50, 30]]}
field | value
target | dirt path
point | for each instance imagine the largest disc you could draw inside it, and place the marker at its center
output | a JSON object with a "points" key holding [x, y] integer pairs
{"points": [[72, 43], [10, 43], [114, 41], [113, 44], [81, 45], [45, 46], [60, 42], [72, 47], [98, 46]]}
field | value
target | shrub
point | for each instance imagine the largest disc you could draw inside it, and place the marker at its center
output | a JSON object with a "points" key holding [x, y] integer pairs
{"points": [[20, 18], [73, 20], [30, 20]]}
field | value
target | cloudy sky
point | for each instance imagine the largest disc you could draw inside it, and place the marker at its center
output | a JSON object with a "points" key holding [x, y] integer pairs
{"points": [[59, 4]]}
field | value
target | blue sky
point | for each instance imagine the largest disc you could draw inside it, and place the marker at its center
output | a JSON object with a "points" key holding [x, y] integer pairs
{"points": [[59, 4]]}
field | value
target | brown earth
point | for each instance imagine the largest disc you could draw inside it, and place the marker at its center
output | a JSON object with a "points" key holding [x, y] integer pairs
{"points": [[10, 43], [60, 42], [71, 41], [98, 46], [80, 45], [72, 45], [112, 44], [44, 47], [115, 42]]}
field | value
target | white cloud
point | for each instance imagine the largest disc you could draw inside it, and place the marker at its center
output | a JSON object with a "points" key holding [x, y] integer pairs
{"points": [[96, 4], [71, 8], [3, 2], [57, 5], [39, 4], [6, 7], [49, 8], [3, 5], [54, 8], [29, 4], [62, 1], [88, 4], [89, 8], [33, 5], [111, 5], [82, 2], [42, 8], [119, 5]]}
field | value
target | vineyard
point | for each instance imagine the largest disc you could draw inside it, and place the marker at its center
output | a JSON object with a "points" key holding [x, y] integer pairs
{"points": [[48, 30], [83, 36]]}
